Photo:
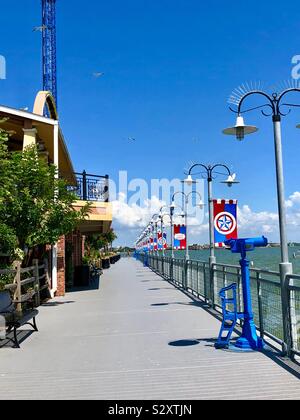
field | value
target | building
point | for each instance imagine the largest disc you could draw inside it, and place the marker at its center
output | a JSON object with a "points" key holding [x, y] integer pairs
{"points": [[35, 128]]}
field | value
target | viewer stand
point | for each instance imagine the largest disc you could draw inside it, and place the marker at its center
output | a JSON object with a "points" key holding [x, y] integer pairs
{"points": [[249, 338]]}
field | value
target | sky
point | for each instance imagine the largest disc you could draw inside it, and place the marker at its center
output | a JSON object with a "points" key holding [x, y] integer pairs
{"points": [[169, 68]]}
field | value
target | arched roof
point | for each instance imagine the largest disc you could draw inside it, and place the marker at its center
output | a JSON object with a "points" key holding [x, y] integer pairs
{"points": [[44, 98]]}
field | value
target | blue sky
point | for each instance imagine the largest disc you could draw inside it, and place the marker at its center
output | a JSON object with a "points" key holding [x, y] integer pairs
{"points": [[169, 68]]}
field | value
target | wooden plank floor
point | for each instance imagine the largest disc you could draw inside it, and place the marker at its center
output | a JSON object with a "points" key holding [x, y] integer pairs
{"points": [[137, 337]]}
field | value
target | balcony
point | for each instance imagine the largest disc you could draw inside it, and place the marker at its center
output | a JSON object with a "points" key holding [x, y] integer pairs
{"points": [[93, 189]]}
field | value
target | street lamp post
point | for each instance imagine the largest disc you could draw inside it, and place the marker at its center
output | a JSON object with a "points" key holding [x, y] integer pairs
{"points": [[171, 215], [161, 216], [155, 219], [185, 211], [171, 208], [274, 104], [162, 235], [209, 171]]}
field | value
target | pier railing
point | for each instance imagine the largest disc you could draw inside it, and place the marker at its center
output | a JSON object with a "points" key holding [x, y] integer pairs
{"points": [[196, 278]]}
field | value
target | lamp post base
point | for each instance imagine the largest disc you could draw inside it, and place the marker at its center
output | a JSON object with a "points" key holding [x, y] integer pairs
{"points": [[249, 339], [288, 314]]}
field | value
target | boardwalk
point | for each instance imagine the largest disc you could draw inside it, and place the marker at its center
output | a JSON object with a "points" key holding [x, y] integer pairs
{"points": [[128, 340]]}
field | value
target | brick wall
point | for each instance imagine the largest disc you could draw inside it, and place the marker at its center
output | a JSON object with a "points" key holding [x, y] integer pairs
{"points": [[61, 286], [76, 240]]}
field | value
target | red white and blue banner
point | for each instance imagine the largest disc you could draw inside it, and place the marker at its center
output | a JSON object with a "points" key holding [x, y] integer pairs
{"points": [[155, 244], [225, 221], [165, 240], [179, 237], [159, 240], [162, 240], [151, 244]]}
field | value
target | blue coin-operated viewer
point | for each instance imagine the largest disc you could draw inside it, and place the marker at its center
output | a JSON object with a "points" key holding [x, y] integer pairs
{"points": [[146, 256], [249, 338]]}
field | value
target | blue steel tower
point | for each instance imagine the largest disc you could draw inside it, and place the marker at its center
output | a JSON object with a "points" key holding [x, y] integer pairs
{"points": [[49, 47]]}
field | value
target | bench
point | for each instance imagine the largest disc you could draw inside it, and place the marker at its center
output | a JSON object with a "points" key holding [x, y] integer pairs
{"points": [[14, 319]]}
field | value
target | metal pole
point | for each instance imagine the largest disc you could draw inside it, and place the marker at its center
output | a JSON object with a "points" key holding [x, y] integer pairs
{"points": [[106, 189], [280, 189], [186, 224], [150, 240], [212, 258], [285, 267], [84, 186], [157, 253], [162, 237], [172, 239]]}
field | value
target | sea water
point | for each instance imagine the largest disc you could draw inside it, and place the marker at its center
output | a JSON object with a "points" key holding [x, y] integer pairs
{"points": [[263, 258]]}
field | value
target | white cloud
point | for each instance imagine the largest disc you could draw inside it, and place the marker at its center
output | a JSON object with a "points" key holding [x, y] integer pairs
{"points": [[294, 200], [131, 218], [134, 216], [256, 223]]}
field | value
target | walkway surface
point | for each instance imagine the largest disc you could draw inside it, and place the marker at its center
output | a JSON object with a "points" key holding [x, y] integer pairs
{"points": [[132, 339]]}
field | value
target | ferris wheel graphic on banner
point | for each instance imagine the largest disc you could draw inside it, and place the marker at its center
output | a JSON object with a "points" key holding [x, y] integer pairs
{"points": [[225, 223]]}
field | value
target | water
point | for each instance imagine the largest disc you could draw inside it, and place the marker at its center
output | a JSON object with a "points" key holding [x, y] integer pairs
{"points": [[264, 258]]}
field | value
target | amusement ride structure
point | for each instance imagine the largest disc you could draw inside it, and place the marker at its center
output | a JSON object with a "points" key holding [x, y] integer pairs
{"points": [[49, 47]]}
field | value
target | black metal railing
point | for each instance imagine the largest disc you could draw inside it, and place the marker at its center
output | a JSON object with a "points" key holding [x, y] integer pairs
{"points": [[92, 187]]}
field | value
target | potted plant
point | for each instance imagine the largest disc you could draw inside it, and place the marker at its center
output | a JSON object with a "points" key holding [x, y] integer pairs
{"points": [[105, 261], [82, 273]]}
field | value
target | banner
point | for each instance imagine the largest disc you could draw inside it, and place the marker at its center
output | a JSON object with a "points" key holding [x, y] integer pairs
{"points": [[155, 244], [145, 246], [159, 240], [165, 240], [179, 237], [162, 240], [225, 221], [151, 244]]}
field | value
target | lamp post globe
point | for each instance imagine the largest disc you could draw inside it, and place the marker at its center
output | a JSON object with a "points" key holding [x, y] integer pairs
{"points": [[240, 130]]}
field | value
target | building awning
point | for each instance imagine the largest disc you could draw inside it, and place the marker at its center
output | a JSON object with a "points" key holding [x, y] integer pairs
{"points": [[19, 120]]}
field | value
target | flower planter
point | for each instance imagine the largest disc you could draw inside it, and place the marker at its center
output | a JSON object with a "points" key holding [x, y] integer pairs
{"points": [[82, 276], [105, 263], [112, 259]]}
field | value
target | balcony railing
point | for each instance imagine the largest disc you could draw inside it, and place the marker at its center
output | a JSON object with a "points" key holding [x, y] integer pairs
{"points": [[92, 187]]}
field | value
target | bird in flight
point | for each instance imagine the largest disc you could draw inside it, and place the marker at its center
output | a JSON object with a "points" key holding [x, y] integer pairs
{"points": [[98, 74], [132, 139], [39, 28]]}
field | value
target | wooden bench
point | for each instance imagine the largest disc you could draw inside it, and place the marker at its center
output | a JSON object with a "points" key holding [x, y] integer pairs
{"points": [[15, 319]]}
